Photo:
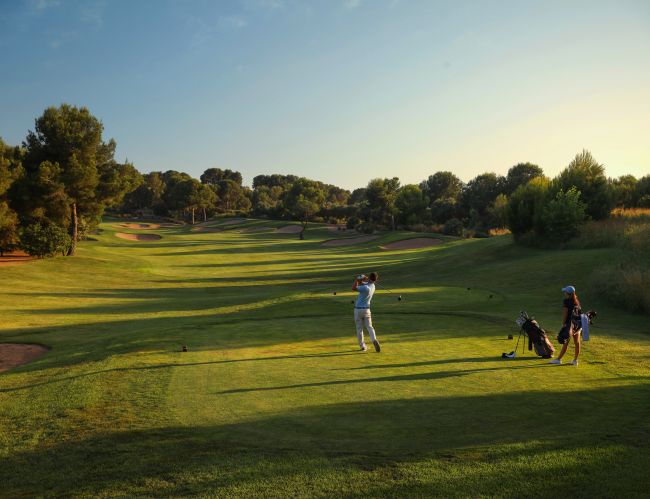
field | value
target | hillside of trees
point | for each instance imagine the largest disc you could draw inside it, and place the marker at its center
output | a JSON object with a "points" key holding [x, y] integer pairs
{"points": [[56, 185]]}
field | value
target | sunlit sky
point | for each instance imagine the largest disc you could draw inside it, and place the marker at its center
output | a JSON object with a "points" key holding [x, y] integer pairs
{"points": [[340, 91]]}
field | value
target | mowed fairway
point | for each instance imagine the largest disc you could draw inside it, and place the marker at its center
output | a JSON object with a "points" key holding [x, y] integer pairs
{"points": [[273, 397]]}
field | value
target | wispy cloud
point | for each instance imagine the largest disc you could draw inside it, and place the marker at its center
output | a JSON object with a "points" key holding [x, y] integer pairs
{"points": [[40, 6], [93, 13], [204, 32], [231, 22], [58, 39], [253, 5]]}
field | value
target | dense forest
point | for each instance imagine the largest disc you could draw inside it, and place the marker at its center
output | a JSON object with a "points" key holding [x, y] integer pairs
{"points": [[56, 185]]}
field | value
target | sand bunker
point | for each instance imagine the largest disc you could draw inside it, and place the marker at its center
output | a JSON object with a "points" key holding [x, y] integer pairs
{"points": [[15, 354], [140, 226], [206, 229], [138, 237], [146, 226], [349, 241], [414, 243], [15, 258], [290, 229], [233, 221]]}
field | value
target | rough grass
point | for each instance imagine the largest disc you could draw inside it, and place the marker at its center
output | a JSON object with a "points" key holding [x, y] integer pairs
{"points": [[625, 280], [273, 398]]}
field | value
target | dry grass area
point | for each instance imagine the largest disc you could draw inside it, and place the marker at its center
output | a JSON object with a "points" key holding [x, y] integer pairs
{"points": [[631, 212]]}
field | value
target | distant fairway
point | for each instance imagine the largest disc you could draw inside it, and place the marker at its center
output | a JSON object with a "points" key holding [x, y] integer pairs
{"points": [[273, 397]]}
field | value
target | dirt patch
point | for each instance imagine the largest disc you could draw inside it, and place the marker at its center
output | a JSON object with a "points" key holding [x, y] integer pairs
{"points": [[349, 241], [290, 229], [206, 229], [15, 258], [413, 243], [16, 354], [138, 237]]}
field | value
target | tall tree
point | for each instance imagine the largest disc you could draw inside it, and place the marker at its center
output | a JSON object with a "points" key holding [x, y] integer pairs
{"points": [[66, 149], [411, 204], [642, 192], [357, 197], [480, 192], [10, 170], [303, 200], [525, 206], [521, 174], [588, 177], [624, 190], [189, 195], [381, 194], [116, 180], [442, 185]]}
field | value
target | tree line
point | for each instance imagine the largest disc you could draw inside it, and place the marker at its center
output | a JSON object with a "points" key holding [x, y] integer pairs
{"points": [[55, 187]]}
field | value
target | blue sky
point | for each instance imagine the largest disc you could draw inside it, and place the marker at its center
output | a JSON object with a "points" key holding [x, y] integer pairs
{"points": [[341, 90]]}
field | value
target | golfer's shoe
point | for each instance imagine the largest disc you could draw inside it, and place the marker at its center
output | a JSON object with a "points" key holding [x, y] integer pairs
{"points": [[575, 362], [363, 348], [377, 346], [556, 361]]}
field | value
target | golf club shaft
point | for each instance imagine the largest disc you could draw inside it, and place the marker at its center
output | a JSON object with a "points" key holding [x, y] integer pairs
{"points": [[385, 288]]}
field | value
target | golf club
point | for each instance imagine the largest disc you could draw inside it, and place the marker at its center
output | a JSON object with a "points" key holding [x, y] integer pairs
{"points": [[399, 297]]}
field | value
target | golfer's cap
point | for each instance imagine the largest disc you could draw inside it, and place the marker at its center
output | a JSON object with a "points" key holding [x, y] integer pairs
{"points": [[569, 289]]}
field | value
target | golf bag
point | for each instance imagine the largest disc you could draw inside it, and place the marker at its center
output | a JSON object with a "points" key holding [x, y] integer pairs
{"points": [[537, 338], [579, 324]]}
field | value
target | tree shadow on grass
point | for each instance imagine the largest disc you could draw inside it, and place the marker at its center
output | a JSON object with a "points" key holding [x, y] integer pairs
{"points": [[438, 362], [432, 376], [461, 446], [170, 365]]}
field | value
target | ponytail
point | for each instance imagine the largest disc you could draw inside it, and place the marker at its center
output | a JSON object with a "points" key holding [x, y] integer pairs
{"points": [[576, 302]]}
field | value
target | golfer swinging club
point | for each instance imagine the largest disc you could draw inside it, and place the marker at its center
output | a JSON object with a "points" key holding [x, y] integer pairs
{"points": [[365, 286]]}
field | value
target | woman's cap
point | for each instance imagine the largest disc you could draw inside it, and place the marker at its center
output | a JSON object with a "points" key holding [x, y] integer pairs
{"points": [[569, 289]]}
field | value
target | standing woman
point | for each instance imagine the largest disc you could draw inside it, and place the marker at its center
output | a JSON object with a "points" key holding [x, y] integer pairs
{"points": [[571, 312]]}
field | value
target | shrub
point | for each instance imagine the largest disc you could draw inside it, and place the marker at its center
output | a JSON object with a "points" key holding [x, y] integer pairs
{"points": [[525, 206], [366, 228], [352, 222], [588, 178], [453, 227], [44, 239], [562, 217]]}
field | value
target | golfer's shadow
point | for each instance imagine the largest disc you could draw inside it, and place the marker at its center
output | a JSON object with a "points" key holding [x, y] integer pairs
{"points": [[404, 377]]}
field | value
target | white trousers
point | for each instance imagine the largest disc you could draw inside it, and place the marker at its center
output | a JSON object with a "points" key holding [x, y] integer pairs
{"points": [[363, 318]]}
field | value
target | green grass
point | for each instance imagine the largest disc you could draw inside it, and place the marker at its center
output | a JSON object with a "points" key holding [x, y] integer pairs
{"points": [[273, 399]]}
